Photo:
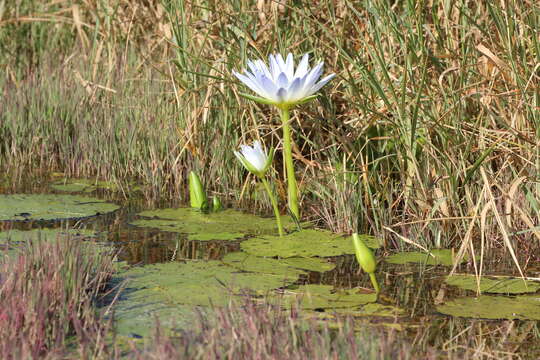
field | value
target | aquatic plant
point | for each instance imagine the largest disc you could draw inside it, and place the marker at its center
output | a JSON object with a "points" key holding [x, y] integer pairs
{"points": [[365, 258], [197, 196], [284, 87], [257, 162]]}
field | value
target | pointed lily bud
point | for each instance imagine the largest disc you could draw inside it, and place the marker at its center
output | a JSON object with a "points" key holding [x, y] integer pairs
{"points": [[197, 196], [365, 258]]}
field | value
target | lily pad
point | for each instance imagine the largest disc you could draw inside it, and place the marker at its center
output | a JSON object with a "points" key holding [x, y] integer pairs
{"points": [[234, 223], [440, 257], [315, 296], [51, 207], [246, 262], [498, 285], [208, 236], [305, 243], [136, 314], [169, 290], [14, 238], [373, 309], [525, 307], [310, 264]]}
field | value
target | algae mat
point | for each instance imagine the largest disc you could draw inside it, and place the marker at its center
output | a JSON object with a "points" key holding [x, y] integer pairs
{"points": [[435, 257], [525, 307], [305, 243], [496, 285], [223, 225], [51, 207]]}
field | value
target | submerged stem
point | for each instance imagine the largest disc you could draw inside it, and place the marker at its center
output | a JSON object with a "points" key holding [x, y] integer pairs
{"points": [[274, 205], [292, 189]]}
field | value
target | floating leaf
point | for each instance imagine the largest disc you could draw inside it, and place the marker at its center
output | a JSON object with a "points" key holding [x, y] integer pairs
{"points": [[171, 291], [315, 296], [247, 262], [305, 243], [51, 207], [524, 307], [190, 221], [15, 238], [310, 264], [437, 257], [200, 282], [373, 309], [498, 285]]}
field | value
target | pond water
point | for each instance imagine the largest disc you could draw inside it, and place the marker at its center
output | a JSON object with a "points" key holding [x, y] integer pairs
{"points": [[183, 269]]}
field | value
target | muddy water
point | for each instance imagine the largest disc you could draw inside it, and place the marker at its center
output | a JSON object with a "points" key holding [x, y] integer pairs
{"points": [[416, 289]]}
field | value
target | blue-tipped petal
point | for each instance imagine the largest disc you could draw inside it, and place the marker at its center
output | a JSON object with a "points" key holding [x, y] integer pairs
{"points": [[289, 66], [303, 67], [249, 83], [274, 67], [282, 80], [281, 95], [321, 83], [294, 90], [312, 78], [269, 87]]}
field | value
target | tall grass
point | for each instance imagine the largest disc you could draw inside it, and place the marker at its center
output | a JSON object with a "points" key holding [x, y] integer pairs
{"points": [[429, 134]]}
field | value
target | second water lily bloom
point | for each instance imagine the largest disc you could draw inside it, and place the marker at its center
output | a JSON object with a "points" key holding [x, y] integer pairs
{"points": [[280, 84], [255, 159]]}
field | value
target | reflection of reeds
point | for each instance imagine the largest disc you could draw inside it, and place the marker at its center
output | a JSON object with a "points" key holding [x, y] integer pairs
{"points": [[47, 296], [431, 130]]}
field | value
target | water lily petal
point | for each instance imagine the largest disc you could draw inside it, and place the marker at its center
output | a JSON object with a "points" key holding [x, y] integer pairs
{"points": [[289, 66], [274, 67], [321, 83], [250, 83], [312, 78], [282, 80], [293, 92], [269, 87], [303, 67], [281, 95]]}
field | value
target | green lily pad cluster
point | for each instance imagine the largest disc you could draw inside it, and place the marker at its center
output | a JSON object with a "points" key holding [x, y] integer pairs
{"points": [[373, 309], [435, 257], [87, 185], [224, 225], [525, 307], [51, 207], [320, 297], [305, 243], [296, 266], [13, 239], [169, 290], [498, 285]]}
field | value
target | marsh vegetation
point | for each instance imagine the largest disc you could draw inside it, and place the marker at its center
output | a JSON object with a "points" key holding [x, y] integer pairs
{"points": [[426, 139]]}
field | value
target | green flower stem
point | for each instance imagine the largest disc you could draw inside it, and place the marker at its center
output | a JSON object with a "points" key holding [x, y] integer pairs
{"points": [[375, 283], [274, 205], [287, 156]]}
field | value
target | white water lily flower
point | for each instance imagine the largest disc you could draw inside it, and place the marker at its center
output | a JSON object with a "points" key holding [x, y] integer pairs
{"points": [[280, 84], [255, 159]]}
